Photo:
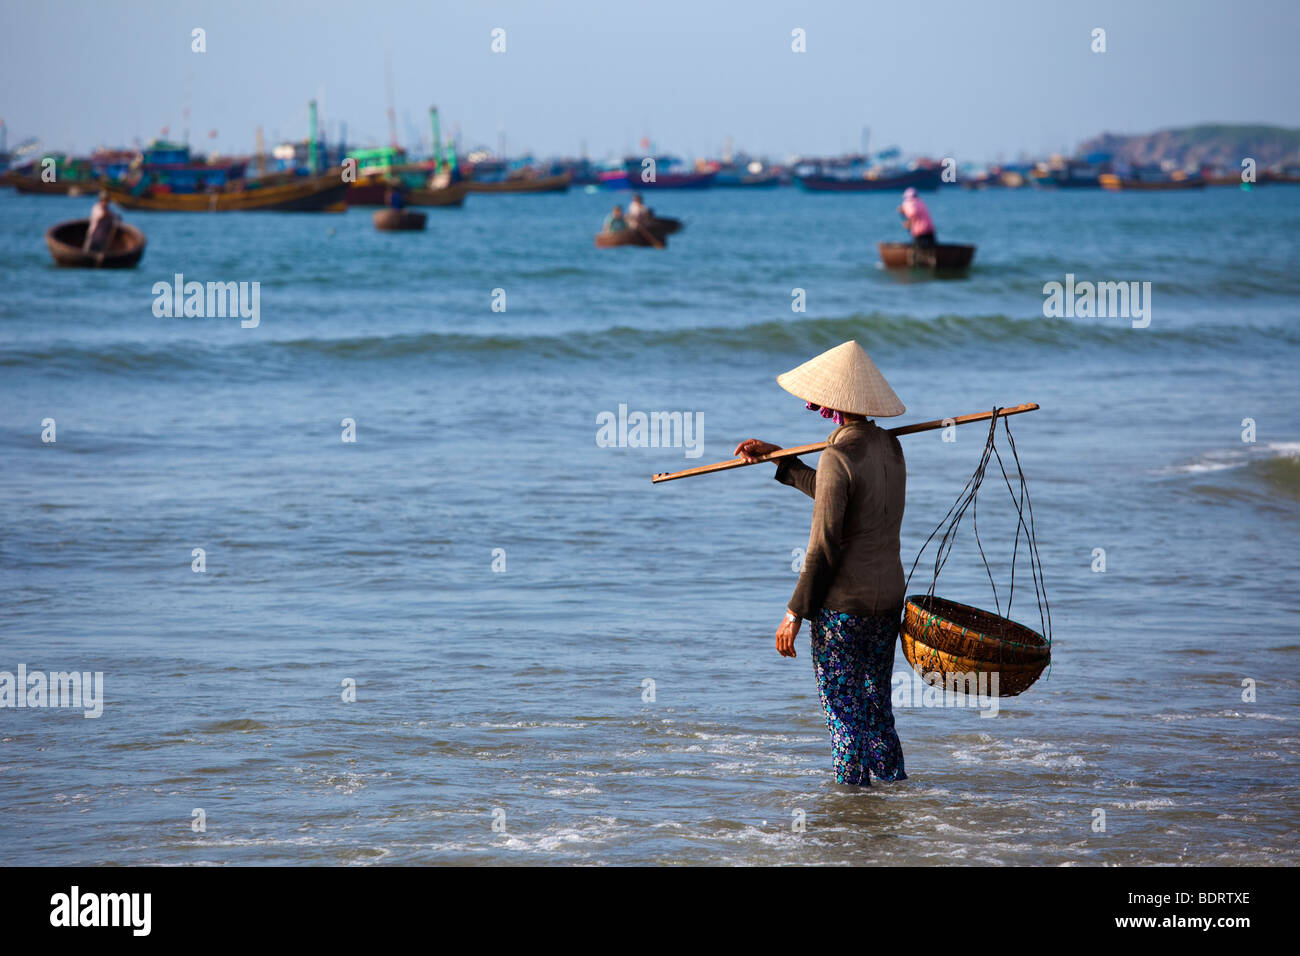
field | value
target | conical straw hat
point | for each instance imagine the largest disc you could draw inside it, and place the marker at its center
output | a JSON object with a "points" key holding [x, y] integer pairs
{"points": [[846, 380]]}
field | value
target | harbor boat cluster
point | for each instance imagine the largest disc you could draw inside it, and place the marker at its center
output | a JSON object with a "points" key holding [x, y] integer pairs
{"points": [[319, 175]]}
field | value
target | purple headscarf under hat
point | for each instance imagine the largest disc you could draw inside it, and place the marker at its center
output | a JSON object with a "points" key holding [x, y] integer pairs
{"points": [[830, 413]]}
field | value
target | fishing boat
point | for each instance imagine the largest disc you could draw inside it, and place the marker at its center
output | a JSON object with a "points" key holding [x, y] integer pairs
{"points": [[670, 172], [1216, 177], [944, 257], [70, 177], [668, 180], [65, 244], [1151, 180], [1281, 174], [745, 176], [323, 193], [583, 171], [367, 192], [654, 233], [113, 164], [415, 189], [452, 194], [370, 190], [34, 185], [526, 182], [613, 179], [378, 171], [398, 220], [997, 177], [924, 179], [756, 181], [173, 168], [675, 180], [1069, 174], [421, 184]]}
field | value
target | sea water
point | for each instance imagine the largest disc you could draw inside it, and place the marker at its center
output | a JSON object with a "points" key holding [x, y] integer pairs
{"points": [[364, 585]]}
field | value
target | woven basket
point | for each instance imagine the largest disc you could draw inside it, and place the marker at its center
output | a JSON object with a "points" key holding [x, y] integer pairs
{"points": [[950, 638]]}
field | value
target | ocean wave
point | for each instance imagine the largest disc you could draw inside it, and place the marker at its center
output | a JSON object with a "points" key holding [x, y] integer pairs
{"points": [[1234, 458], [1275, 466], [780, 335], [771, 336]]}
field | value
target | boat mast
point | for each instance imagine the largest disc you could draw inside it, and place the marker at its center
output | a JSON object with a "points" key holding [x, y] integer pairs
{"points": [[185, 123], [311, 141], [392, 113], [261, 153], [437, 138]]}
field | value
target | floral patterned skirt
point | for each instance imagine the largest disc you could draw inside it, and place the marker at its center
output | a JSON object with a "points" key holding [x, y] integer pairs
{"points": [[853, 658]]}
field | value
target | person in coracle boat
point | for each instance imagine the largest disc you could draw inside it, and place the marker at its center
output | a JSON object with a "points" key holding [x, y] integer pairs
{"points": [[638, 213], [103, 223], [615, 222], [917, 220]]}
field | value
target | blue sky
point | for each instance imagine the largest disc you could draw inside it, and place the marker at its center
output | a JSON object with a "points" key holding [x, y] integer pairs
{"points": [[973, 80]]}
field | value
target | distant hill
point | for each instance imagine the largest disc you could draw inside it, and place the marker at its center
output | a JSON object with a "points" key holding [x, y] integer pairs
{"points": [[1217, 144]]}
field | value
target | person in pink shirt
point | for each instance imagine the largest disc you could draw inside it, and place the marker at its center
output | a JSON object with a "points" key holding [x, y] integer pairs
{"points": [[917, 219]]}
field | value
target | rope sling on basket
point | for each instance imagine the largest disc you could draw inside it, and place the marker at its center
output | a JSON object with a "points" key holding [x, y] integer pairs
{"points": [[960, 642]]}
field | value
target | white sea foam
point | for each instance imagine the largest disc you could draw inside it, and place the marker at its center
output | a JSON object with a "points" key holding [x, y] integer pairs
{"points": [[595, 831], [1225, 714], [1157, 803], [1226, 459], [1020, 751]]}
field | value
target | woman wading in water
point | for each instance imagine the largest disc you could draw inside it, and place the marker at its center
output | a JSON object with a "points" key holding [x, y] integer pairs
{"points": [[851, 588]]}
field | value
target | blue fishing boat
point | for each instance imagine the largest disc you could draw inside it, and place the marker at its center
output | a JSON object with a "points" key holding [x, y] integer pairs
{"points": [[171, 167], [670, 172], [823, 179]]}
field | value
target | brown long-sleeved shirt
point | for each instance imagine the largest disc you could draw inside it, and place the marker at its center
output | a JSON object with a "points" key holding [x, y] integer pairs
{"points": [[852, 564]]}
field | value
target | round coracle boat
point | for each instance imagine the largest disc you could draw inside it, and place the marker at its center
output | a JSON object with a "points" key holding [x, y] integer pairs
{"points": [[398, 220], [66, 244]]}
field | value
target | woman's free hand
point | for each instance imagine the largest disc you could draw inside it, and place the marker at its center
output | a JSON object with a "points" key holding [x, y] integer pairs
{"points": [[751, 449], [785, 635]]}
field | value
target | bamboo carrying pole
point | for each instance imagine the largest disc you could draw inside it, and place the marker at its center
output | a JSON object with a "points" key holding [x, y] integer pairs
{"points": [[818, 446]]}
